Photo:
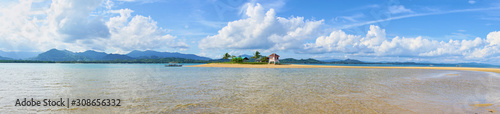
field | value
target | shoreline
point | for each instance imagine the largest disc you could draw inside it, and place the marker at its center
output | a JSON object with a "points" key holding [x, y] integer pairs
{"points": [[495, 70]]}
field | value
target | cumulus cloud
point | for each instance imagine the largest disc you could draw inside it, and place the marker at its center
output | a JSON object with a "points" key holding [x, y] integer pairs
{"points": [[72, 25], [494, 38], [138, 33], [375, 43], [262, 30], [339, 41], [71, 19], [265, 31], [20, 30]]}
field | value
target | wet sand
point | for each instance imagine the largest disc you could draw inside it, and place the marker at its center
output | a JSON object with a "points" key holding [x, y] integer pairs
{"points": [[495, 70]]}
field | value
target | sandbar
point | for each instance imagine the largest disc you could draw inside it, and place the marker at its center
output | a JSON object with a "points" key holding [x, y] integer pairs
{"points": [[495, 70]]}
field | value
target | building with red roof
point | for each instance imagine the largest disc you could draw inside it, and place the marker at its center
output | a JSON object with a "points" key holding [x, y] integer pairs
{"points": [[275, 58]]}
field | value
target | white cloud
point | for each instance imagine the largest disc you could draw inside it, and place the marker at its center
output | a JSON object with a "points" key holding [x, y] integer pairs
{"points": [[337, 41], [138, 33], [68, 24], [109, 4], [494, 38], [71, 20], [275, 4], [20, 30], [374, 37], [375, 43], [265, 31], [399, 9], [29, 28], [262, 30]]}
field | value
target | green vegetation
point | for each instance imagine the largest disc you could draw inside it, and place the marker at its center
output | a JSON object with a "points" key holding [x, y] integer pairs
{"points": [[301, 61], [256, 56], [60, 55], [242, 60], [24, 61], [226, 56], [348, 61], [264, 59], [237, 60]]}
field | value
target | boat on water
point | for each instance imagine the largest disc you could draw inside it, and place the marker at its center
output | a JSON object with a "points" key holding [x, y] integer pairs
{"points": [[173, 65]]}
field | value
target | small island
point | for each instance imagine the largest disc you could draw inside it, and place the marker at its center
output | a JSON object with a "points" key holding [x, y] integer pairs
{"points": [[265, 62], [257, 58]]}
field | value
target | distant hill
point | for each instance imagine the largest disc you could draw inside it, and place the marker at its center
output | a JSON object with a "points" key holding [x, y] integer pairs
{"points": [[152, 54], [349, 61], [5, 58], [116, 57], [245, 55], [302, 61], [18, 55], [330, 60], [59, 55], [473, 64], [92, 55], [65, 55]]}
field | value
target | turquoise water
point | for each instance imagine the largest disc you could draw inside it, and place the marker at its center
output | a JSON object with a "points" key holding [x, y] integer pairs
{"points": [[153, 88]]}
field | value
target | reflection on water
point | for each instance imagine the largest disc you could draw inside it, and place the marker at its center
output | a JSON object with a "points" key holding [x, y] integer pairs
{"points": [[155, 88]]}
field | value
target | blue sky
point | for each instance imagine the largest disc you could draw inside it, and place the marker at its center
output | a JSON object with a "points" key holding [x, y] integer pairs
{"points": [[447, 31]]}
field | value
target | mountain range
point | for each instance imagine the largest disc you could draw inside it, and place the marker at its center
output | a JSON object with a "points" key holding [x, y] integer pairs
{"points": [[90, 55], [5, 58], [155, 57], [60, 55], [247, 56], [154, 54], [330, 60], [18, 55]]}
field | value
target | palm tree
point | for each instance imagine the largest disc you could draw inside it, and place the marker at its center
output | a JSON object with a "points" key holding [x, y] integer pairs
{"points": [[226, 56], [256, 56], [263, 59]]}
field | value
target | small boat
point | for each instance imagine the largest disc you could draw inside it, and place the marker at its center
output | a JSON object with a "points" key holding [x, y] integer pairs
{"points": [[173, 65]]}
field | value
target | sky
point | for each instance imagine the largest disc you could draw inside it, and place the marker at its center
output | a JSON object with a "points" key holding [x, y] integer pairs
{"points": [[444, 31]]}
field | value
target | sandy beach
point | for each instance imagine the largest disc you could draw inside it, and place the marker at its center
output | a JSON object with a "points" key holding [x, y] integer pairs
{"points": [[495, 70]]}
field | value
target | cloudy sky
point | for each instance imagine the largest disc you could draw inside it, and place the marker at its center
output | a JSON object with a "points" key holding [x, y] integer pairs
{"points": [[446, 31]]}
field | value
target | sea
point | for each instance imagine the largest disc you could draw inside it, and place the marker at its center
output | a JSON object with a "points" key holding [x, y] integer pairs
{"points": [[154, 88]]}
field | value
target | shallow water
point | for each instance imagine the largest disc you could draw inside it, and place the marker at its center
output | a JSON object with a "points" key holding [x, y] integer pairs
{"points": [[153, 88]]}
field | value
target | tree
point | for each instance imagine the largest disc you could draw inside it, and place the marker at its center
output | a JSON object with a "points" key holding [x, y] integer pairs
{"points": [[256, 55], [264, 59], [237, 59], [226, 56]]}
